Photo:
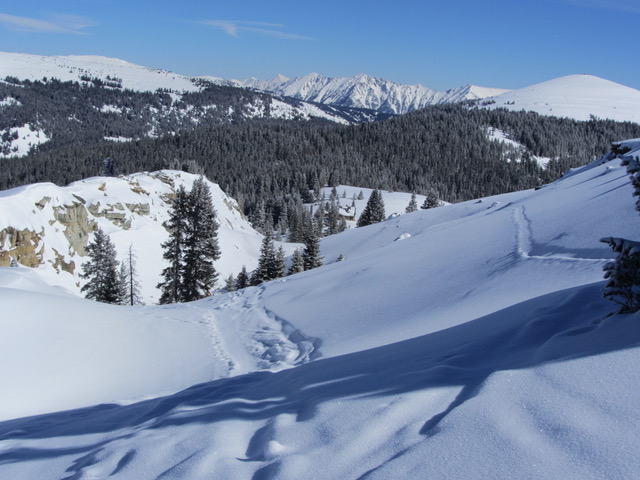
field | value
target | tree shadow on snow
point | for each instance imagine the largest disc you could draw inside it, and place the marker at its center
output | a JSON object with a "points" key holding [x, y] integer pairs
{"points": [[556, 327]]}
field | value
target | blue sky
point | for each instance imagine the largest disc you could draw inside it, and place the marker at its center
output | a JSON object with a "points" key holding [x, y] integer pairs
{"points": [[443, 44]]}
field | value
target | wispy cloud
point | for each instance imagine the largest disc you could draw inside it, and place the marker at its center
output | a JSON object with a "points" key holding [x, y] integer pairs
{"points": [[234, 28], [55, 24], [627, 6]]}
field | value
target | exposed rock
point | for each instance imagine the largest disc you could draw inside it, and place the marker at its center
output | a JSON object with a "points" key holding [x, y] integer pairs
{"points": [[61, 264], [78, 226], [117, 218], [23, 245], [41, 204], [139, 208]]}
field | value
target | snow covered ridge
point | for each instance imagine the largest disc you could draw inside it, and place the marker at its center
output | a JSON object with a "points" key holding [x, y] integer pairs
{"points": [[573, 96], [47, 227], [364, 91], [77, 67]]}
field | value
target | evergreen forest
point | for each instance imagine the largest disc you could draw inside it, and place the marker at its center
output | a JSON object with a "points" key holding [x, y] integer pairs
{"points": [[275, 165]]}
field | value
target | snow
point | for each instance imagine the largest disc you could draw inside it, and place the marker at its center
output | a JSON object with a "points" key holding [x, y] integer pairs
{"points": [[467, 338], [395, 203], [73, 67], [28, 137], [498, 135], [126, 196], [365, 91], [574, 96], [8, 102]]}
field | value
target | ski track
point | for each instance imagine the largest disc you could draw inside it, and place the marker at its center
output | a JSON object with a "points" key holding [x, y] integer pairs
{"points": [[248, 328], [219, 351], [524, 241]]}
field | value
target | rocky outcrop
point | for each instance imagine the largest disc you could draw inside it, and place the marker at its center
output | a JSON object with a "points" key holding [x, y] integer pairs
{"points": [[78, 225], [25, 246], [115, 213], [61, 264]]}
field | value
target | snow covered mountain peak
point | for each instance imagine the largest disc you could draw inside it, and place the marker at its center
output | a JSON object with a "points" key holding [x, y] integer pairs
{"points": [[365, 91]]}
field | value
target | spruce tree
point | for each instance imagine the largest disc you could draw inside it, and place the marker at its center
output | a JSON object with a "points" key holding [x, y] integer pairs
{"points": [[129, 279], [171, 286], [297, 263], [230, 283], [243, 279], [311, 254], [413, 204], [279, 263], [101, 271], [265, 270], [201, 244], [374, 210], [623, 273], [431, 201]]}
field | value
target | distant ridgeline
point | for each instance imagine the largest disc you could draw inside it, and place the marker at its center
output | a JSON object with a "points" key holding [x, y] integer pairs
{"points": [[275, 163]]}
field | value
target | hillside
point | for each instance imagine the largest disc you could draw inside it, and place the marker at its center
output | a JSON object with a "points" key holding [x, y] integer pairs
{"points": [[575, 96], [466, 338], [60, 100], [48, 227]]}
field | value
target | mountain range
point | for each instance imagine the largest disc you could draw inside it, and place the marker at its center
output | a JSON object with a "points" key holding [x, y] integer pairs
{"points": [[573, 96], [365, 91]]}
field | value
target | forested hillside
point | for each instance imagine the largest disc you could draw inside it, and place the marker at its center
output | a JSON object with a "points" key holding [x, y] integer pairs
{"points": [[94, 109], [447, 149]]}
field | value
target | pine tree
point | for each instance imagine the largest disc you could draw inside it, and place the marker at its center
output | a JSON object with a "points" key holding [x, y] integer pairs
{"points": [[333, 219], [129, 279], [311, 254], [623, 274], [171, 286], [431, 201], [101, 271], [413, 204], [279, 266], [230, 283], [297, 263], [243, 279], [200, 245], [374, 210], [266, 269]]}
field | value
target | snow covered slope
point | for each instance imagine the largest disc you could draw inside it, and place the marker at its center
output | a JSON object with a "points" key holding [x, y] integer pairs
{"points": [[47, 227], [467, 338], [364, 91], [67, 352], [75, 67], [575, 96]]}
